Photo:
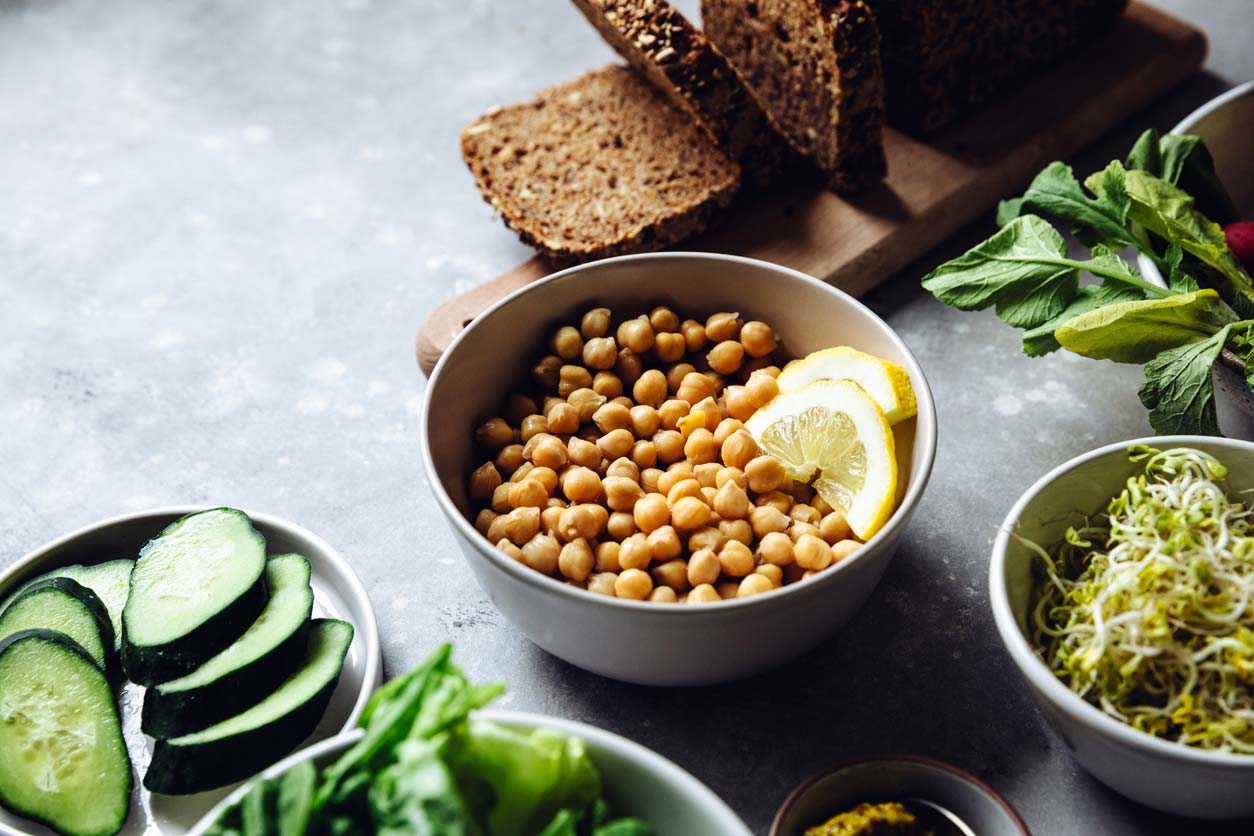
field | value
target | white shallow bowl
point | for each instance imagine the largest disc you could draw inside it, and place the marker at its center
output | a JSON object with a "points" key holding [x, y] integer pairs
{"points": [[1160, 774], [337, 594], [634, 641], [638, 781]]}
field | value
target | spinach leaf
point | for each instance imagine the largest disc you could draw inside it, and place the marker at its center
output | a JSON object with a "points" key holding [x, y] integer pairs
{"points": [[419, 795], [1178, 390], [296, 795], [257, 809], [1055, 191], [1040, 340], [1135, 332]]}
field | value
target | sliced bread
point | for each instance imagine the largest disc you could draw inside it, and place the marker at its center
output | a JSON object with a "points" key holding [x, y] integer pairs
{"points": [[684, 66], [815, 66], [602, 165]]}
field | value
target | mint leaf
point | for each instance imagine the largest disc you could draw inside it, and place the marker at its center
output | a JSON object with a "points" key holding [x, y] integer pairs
{"points": [[1178, 390], [1055, 191], [1136, 331], [1040, 340]]}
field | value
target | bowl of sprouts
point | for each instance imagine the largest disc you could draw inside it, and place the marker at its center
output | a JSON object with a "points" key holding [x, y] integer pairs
{"points": [[1122, 584]]}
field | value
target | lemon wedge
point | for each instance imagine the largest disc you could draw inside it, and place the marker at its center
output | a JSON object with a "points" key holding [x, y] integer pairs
{"points": [[885, 381], [832, 434]]}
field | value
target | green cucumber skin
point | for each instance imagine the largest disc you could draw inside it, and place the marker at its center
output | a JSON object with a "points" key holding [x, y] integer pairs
{"points": [[69, 644], [183, 712], [153, 664], [184, 770], [94, 606]]}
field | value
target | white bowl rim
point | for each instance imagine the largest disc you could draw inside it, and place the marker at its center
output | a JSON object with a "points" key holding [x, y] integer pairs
{"points": [[354, 593], [670, 772], [1189, 122], [1035, 669], [925, 428]]}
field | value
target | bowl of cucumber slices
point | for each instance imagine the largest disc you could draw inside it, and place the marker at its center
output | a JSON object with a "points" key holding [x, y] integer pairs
{"points": [[151, 662]]}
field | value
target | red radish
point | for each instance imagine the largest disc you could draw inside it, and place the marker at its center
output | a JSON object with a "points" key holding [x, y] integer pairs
{"points": [[1240, 237]]}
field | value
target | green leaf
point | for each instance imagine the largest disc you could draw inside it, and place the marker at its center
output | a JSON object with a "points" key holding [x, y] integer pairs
{"points": [[1137, 331], [1146, 154], [1008, 210], [296, 795], [1177, 279], [1101, 220], [1178, 390], [1040, 340], [1187, 163]]}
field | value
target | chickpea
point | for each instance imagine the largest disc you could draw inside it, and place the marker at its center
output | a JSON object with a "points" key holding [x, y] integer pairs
{"points": [[663, 595], [551, 518], [703, 594], [834, 528], [550, 401], [672, 573], [726, 357], [776, 548], [510, 549], [738, 530], [683, 486], [628, 367], [812, 553], [739, 404], [547, 372], [663, 318], [761, 388], [672, 412], [520, 524], [736, 559], [754, 584], [769, 570], [612, 416], [844, 549], [571, 378], [707, 473], [595, 323], [645, 420], [805, 513], [509, 459], [532, 426], [731, 474], [607, 384], [546, 476], [523, 471], [581, 484], [546, 451], [567, 342], [563, 419], [672, 477], [694, 334], [706, 538], [500, 498], [590, 433], [710, 493], [483, 481], [649, 479], [675, 375], [633, 584], [690, 513], [751, 365], [664, 543], [585, 401], [764, 473], [634, 552], [603, 583], [820, 505], [607, 557], [700, 446], [483, 520], [758, 338], [600, 353], [621, 493], [651, 512], [518, 407], [800, 529], [728, 590], [621, 525], [726, 429], [723, 326], [703, 567], [582, 453], [669, 445], [644, 454], [529, 493], [669, 347], [624, 467], [776, 499], [731, 502], [584, 520], [575, 560], [541, 553], [695, 387], [494, 434], [739, 450], [711, 412], [650, 389], [636, 334], [616, 444]]}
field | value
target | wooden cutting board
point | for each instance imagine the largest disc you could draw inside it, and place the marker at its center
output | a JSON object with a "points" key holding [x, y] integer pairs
{"points": [[935, 185]]}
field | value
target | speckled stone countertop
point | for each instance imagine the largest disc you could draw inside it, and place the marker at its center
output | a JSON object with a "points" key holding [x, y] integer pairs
{"points": [[221, 223]]}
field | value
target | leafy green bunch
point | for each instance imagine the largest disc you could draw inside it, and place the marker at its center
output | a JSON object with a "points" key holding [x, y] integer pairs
{"points": [[1162, 201], [425, 767]]}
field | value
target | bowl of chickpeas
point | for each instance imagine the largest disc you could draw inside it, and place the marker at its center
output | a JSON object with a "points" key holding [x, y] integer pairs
{"points": [[586, 439]]}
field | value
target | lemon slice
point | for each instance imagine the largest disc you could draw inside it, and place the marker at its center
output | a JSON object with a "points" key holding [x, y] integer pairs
{"points": [[834, 435], [886, 382]]}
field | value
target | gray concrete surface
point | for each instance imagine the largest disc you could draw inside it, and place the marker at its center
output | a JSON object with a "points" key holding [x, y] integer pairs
{"points": [[220, 224]]}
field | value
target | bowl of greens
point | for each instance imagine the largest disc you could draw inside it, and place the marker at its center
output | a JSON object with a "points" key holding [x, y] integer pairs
{"points": [[1122, 584], [429, 758], [1181, 206]]}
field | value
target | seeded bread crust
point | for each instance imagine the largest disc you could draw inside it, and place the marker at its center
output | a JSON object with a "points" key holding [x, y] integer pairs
{"points": [[829, 106], [602, 165], [661, 44]]}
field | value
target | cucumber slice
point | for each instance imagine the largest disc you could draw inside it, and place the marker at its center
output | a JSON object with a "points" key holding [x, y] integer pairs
{"points": [[66, 607], [245, 672], [194, 590], [111, 581], [62, 758], [247, 743]]}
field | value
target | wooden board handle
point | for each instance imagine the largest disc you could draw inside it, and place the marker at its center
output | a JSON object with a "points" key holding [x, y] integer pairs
{"points": [[444, 323]]}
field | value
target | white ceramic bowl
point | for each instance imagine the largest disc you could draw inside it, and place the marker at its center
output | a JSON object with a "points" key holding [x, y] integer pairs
{"points": [[638, 781], [1163, 775], [337, 593], [660, 644]]}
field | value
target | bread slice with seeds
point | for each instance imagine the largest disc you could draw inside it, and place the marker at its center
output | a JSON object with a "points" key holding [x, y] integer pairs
{"points": [[815, 66], [684, 66], [602, 165]]}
